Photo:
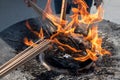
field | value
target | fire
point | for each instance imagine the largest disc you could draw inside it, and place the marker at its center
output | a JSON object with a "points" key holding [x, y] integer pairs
{"points": [[29, 42], [80, 16], [96, 48], [39, 34]]}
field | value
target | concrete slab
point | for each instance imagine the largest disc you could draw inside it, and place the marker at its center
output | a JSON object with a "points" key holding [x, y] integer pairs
{"points": [[6, 52], [111, 9]]}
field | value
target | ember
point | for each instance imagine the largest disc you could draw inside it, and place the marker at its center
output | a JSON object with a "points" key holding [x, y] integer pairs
{"points": [[69, 45]]}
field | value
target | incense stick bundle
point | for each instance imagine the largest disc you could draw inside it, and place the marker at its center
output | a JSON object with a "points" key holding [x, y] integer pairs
{"points": [[23, 57]]}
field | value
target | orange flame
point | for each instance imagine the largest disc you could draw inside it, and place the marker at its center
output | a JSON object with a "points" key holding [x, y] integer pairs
{"points": [[96, 48], [29, 42], [90, 55], [96, 41], [39, 34]]}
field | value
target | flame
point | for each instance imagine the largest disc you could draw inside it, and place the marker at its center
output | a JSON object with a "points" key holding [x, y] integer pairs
{"points": [[96, 48], [90, 55], [39, 34], [96, 41], [80, 16], [93, 18], [29, 42]]}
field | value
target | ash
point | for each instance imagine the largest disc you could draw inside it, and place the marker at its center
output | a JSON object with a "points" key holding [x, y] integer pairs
{"points": [[106, 68]]}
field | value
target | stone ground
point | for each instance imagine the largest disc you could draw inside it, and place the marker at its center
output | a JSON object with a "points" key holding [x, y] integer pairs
{"points": [[107, 68]]}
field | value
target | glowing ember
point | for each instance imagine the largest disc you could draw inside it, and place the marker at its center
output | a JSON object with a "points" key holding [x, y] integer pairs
{"points": [[80, 16]]}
